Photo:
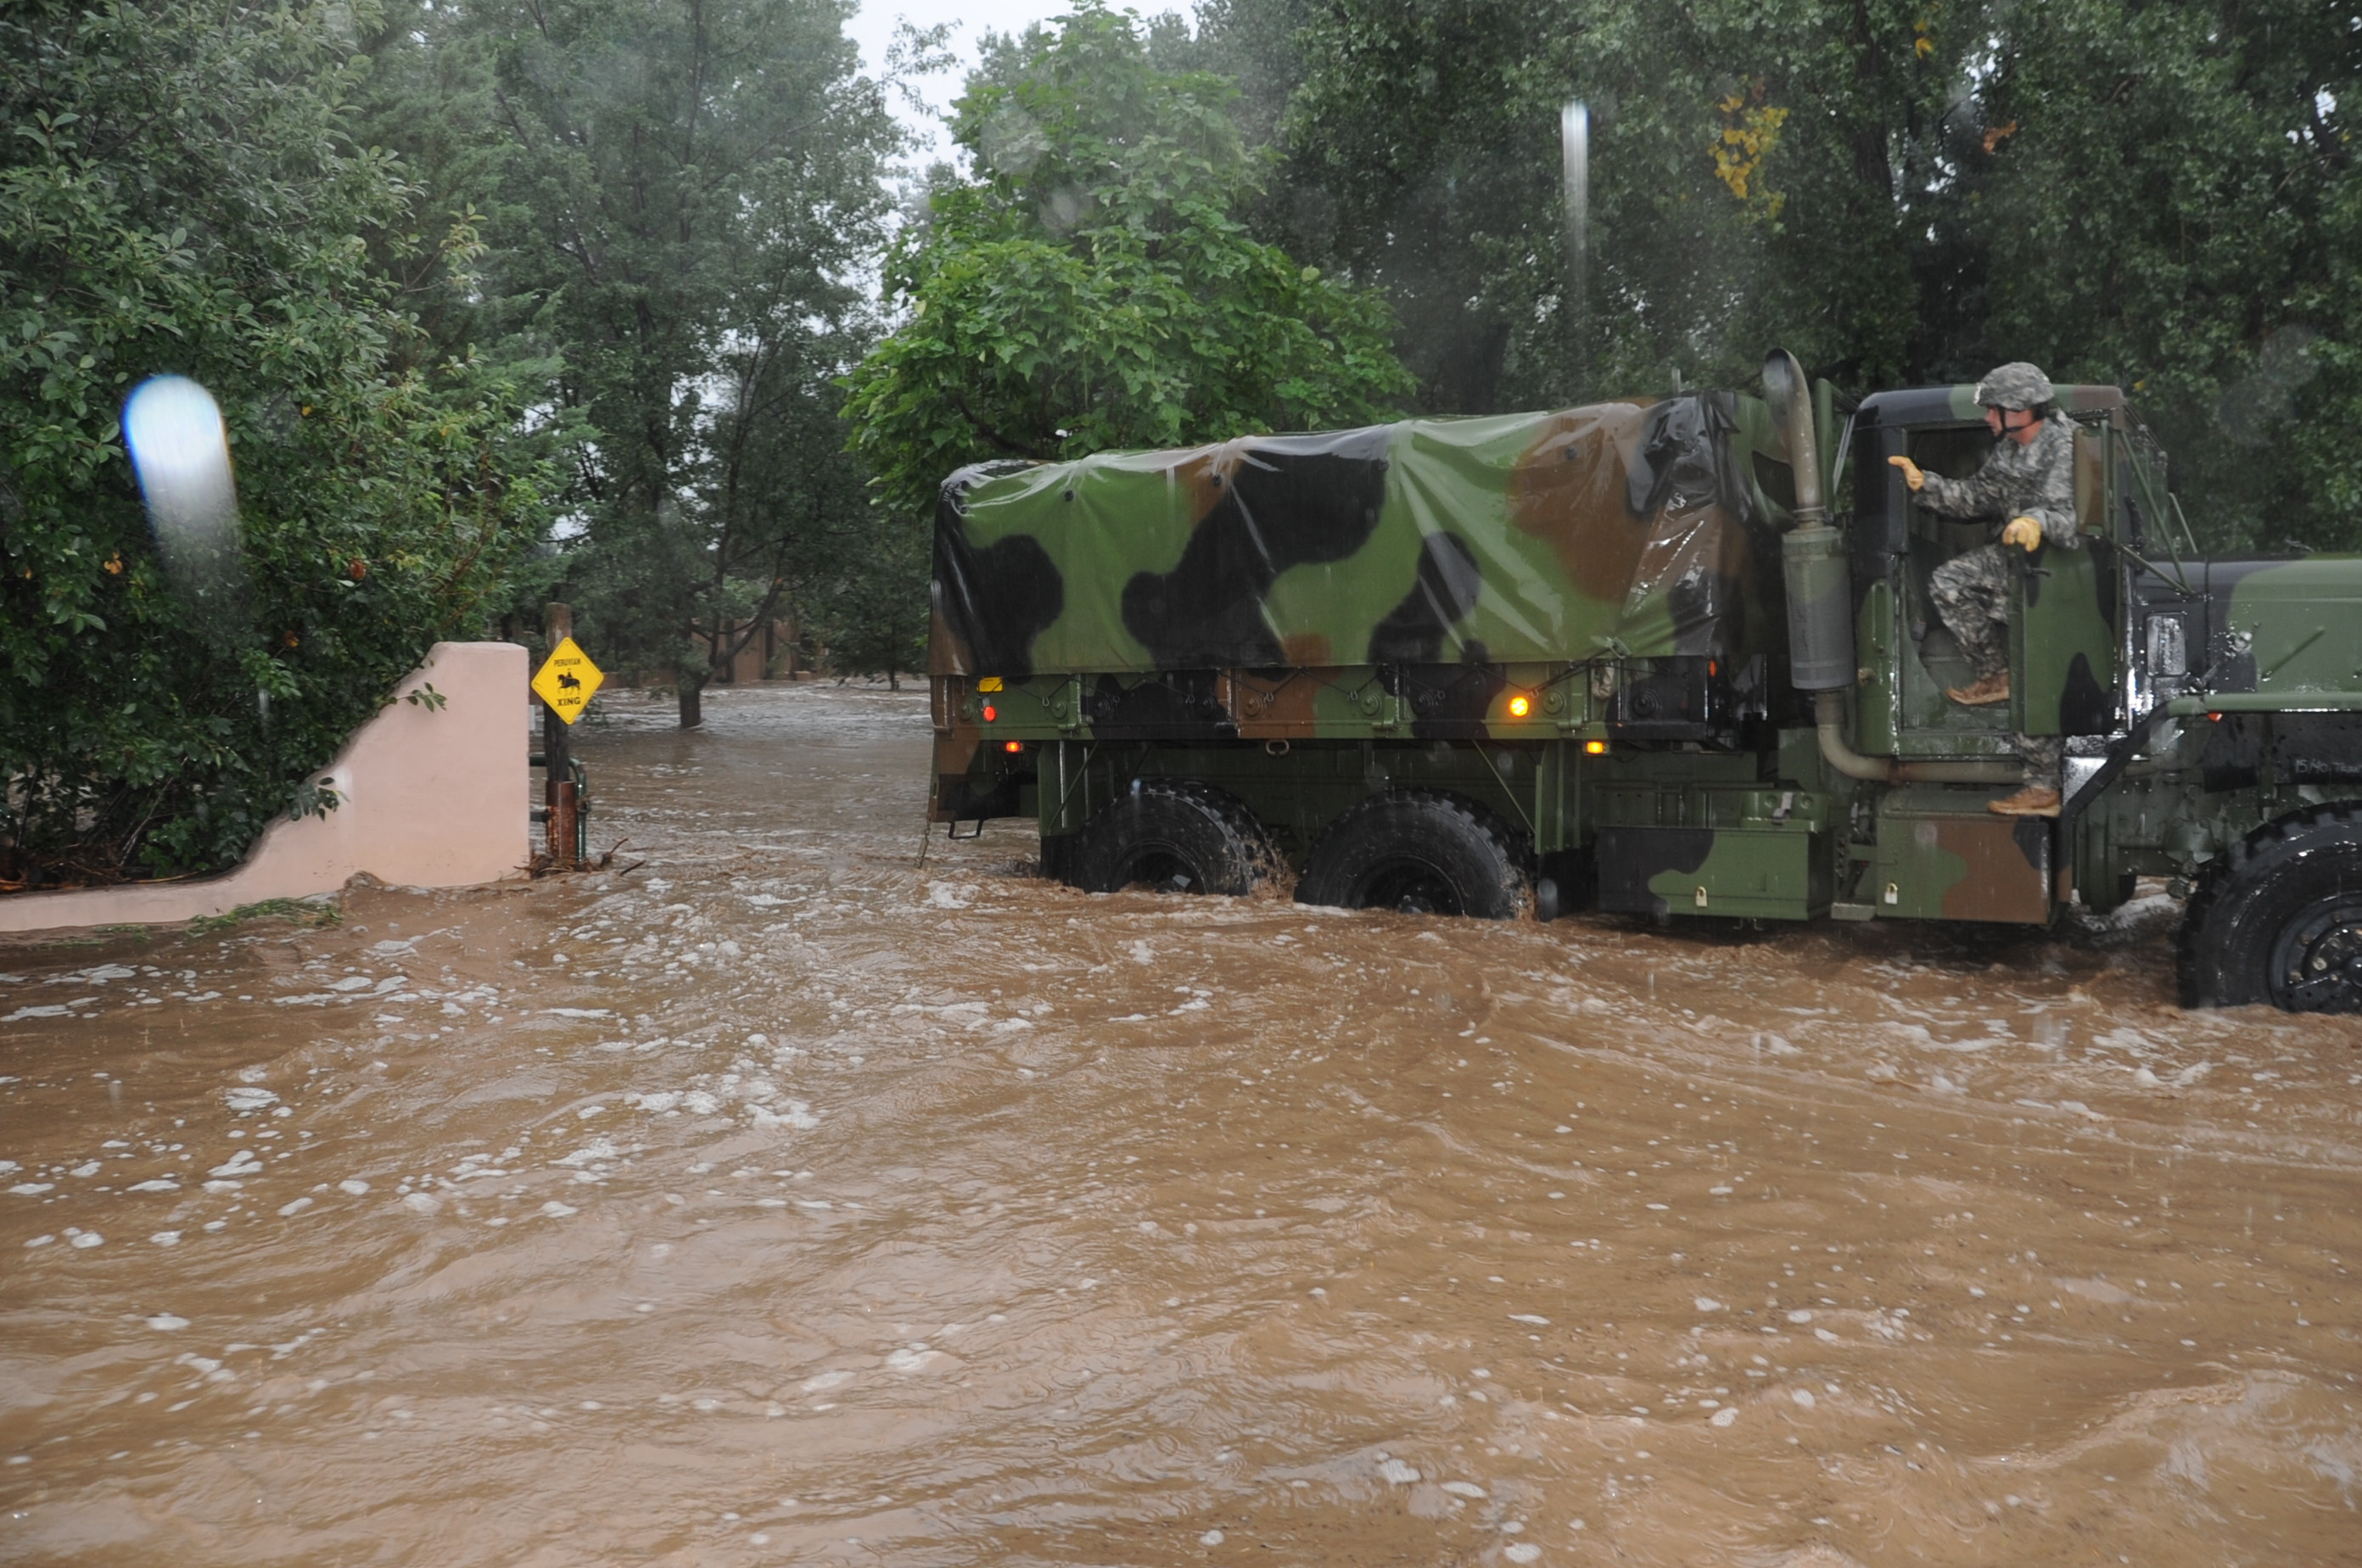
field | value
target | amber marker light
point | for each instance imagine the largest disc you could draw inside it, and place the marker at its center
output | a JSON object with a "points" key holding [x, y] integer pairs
{"points": [[1013, 746], [990, 712], [1520, 706], [1595, 748]]}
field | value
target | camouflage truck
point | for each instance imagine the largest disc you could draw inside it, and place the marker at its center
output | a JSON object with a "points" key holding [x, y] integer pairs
{"points": [[1629, 658]]}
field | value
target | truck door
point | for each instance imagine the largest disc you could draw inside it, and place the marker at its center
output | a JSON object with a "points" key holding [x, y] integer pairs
{"points": [[2063, 622]]}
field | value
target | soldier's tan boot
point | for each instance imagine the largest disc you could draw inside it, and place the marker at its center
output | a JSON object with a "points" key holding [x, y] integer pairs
{"points": [[1986, 690], [2033, 801]]}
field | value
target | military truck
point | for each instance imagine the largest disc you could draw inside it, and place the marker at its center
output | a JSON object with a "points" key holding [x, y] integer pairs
{"points": [[1672, 657]]}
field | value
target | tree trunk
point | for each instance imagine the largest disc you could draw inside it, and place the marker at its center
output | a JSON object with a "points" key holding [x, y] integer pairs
{"points": [[893, 681], [692, 692]]}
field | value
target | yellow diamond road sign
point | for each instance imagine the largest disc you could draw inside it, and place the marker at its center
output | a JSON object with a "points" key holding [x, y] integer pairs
{"points": [[567, 680]]}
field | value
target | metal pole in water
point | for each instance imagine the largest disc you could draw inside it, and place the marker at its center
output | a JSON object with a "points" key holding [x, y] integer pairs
{"points": [[1574, 152], [558, 761]]}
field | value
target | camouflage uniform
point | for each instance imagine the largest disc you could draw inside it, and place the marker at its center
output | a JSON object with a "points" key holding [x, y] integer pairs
{"points": [[1971, 590]]}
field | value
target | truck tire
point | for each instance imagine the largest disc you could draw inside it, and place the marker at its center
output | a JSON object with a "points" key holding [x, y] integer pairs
{"points": [[1175, 837], [2280, 919], [1419, 852]]}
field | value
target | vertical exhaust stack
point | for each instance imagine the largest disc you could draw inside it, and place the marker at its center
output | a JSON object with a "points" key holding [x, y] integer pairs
{"points": [[1812, 557]]}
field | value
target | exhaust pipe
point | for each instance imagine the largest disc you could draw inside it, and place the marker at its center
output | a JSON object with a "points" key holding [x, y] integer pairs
{"points": [[1820, 605], [1812, 558], [1828, 720]]}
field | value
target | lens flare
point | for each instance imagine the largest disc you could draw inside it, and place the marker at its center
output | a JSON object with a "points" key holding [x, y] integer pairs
{"points": [[173, 430], [1574, 172], [180, 450]]}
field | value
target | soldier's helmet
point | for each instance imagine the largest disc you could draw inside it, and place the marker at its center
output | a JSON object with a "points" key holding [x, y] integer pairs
{"points": [[2015, 386]]}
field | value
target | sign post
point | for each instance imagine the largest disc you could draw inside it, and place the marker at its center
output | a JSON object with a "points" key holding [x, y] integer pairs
{"points": [[564, 683]]}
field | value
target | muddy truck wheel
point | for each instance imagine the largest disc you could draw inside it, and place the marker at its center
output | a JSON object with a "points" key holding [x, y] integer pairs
{"points": [[2279, 920], [1419, 852], [1173, 837]]}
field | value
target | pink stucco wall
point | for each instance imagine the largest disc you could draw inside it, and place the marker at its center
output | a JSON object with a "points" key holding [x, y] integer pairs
{"points": [[432, 798]]}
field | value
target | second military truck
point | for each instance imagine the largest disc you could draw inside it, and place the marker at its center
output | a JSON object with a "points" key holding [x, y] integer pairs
{"points": [[1672, 657]]}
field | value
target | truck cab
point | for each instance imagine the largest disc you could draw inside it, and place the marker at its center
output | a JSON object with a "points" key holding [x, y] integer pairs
{"points": [[2067, 611]]}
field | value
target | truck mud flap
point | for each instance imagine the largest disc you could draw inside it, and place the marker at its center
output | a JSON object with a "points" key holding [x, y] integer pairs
{"points": [[961, 798]]}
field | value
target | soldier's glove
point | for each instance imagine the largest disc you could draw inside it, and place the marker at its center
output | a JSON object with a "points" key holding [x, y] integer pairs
{"points": [[1911, 474], [2025, 533]]}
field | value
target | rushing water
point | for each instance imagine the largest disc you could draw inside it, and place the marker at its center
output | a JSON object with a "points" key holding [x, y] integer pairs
{"points": [[780, 1200]]}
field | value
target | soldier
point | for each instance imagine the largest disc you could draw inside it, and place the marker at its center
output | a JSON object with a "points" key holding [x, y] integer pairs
{"points": [[2029, 480]]}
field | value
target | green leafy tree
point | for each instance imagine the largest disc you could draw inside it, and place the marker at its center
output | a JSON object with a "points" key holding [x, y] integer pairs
{"points": [[2160, 196], [181, 190], [871, 617], [1093, 285], [1759, 173], [684, 195], [2173, 202]]}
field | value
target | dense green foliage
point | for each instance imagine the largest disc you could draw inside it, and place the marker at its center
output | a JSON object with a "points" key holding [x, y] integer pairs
{"points": [[2163, 195], [181, 190], [2199, 236], [682, 198], [1094, 285]]}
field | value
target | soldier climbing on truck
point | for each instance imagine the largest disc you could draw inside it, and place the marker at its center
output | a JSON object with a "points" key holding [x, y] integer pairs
{"points": [[2027, 488], [1674, 658]]}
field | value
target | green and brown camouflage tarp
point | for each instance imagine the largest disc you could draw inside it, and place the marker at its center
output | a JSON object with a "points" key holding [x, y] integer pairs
{"points": [[1620, 530]]}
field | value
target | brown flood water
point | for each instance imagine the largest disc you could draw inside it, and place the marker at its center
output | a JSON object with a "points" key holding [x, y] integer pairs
{"points": [[779, 1202]]}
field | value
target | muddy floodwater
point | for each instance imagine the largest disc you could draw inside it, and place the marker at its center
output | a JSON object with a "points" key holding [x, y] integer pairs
{"points": [[782, 1200]]}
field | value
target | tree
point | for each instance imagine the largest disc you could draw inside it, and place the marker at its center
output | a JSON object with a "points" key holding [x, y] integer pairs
{"points": [[2160, 196], [2174, 203], [1733, 141], [1092, 285], [182, 191], [687, 193]]}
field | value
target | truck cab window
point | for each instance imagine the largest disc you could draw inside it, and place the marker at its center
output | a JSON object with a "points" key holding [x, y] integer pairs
{"points": [[1955, 452]]}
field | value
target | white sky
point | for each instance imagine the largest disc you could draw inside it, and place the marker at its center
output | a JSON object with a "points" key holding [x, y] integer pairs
{"points": [[872, 28]]}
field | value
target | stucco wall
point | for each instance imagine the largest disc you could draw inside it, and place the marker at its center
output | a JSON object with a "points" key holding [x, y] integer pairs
{"points": [[431, 798]]}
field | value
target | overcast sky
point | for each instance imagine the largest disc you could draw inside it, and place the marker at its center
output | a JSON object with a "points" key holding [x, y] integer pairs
{"points": [[873, 27]]}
